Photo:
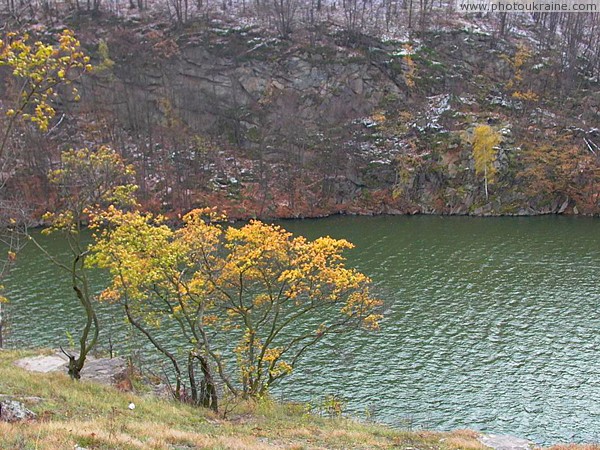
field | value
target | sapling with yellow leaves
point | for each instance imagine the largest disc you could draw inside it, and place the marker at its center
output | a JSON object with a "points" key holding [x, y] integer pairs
{"points": [[485, 140], [517, 84], [87, 181]]}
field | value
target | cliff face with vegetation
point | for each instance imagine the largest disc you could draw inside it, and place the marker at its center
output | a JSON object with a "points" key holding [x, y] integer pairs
{"points": [[327, 121]]}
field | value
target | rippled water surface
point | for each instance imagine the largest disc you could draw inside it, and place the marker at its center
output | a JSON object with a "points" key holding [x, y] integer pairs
{"points": [[491, 324]]}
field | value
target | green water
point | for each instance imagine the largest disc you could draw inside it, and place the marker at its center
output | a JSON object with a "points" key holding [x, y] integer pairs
{"points": [[491, 324]]}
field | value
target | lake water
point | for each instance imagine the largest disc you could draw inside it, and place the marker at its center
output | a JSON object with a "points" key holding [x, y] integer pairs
{"points": [[490, 323]]}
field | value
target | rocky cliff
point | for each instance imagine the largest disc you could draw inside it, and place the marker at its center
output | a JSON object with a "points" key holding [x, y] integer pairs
{"points": [[335, 122]]}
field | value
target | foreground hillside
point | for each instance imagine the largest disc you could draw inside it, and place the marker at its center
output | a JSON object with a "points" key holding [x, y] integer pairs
{"points": [[93, 416]]}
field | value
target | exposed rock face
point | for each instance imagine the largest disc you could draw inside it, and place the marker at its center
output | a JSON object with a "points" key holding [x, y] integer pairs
{"points": [[266, 127], [330, 126], [105, 370], [13, 411]]}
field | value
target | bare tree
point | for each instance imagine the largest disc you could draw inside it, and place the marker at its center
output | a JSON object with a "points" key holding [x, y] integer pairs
{"points": [[283, 13]]}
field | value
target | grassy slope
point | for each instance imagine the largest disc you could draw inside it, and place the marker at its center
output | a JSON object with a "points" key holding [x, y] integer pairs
{"points": [[95, 416]]}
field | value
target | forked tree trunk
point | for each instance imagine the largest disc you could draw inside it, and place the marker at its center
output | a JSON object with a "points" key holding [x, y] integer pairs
{"points": [[86, 344]]}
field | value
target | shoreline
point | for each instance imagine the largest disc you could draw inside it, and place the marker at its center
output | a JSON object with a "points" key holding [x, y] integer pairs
{"points": [[105, 373], [40, 224]]}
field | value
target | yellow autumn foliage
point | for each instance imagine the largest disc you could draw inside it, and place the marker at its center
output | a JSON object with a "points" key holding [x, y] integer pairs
{"points": [[247, 287], [516, 84], [485, 140], [40, 68]]}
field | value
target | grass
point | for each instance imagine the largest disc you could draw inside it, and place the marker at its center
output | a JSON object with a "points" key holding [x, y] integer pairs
{"points": [[97, 417]]}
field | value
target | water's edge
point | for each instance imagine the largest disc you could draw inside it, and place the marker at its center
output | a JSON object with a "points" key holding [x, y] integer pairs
{"points": [[489, 323]]}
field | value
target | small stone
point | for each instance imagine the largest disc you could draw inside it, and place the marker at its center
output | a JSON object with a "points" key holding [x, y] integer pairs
{"points": [[13, 411]]}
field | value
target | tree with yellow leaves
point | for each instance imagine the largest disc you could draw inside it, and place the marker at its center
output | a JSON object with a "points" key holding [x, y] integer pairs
{"points": [[517, 84], [34, 73], [87, 181], [485, 140], [256, 295]]}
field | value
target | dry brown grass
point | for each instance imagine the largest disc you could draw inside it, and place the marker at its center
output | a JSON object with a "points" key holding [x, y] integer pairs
{"points": [[464, 439]]}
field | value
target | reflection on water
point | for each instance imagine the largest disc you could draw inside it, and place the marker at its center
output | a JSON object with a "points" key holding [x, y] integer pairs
{"points": [[491, 324]]}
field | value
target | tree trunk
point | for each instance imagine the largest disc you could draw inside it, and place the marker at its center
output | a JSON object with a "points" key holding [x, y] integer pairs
{"points": [[210, 398], [160, 348], [192, 378], [1, 328], [503, 23], [83, 294], [485, 182]]}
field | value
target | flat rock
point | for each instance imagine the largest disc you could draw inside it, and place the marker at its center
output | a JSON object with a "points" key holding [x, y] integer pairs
{"points": [[505, 442], [43, 364], [103, 370]]}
